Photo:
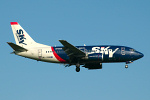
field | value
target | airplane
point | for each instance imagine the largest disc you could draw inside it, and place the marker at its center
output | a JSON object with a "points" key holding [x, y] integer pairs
{"points": [[90, 57]]}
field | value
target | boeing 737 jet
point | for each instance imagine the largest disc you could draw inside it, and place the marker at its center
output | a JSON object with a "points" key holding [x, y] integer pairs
{"points": [[90, 57]]}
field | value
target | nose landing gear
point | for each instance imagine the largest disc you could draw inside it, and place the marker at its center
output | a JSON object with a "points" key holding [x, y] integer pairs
{"points": [[128, 62], [126, 66]]}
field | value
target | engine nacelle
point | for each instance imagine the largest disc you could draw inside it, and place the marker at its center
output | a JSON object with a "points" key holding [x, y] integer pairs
{"points": [[93, 65]]}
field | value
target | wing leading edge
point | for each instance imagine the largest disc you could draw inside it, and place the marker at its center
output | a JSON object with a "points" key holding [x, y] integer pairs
{"points": [[71, 50]]}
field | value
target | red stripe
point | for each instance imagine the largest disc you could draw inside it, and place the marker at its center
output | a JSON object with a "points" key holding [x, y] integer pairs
{"points": [[14, 23], [57, 57]]}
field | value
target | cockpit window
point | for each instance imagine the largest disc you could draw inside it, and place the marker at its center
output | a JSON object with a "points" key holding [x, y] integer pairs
{"points": [[132, 50]]}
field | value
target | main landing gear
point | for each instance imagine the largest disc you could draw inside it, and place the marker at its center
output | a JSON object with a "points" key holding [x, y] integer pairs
{"points": [[77, 67]]}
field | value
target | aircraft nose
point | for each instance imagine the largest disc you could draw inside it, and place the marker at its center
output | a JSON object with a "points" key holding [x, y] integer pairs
{"points": [[140, 54]]}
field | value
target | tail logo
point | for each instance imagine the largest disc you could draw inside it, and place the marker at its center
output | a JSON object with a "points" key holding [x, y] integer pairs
{"points": [[20, 36]]}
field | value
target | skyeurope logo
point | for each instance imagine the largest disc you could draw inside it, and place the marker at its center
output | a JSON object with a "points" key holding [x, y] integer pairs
{"points": [[104, 50], [20, 36]]}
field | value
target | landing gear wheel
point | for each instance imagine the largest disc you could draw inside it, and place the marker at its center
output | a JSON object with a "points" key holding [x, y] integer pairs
{"points": [[126, 66], [77, 69]]}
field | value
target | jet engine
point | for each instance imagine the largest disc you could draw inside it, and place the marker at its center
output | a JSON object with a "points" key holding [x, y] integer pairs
{"points": [[93, 65]]}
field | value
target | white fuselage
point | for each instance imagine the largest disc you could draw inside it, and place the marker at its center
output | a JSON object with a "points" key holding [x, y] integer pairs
{"points": [[39, 52]]}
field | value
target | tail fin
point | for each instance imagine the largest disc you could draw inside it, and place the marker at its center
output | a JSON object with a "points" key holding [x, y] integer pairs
{"points": [[21, 36]]}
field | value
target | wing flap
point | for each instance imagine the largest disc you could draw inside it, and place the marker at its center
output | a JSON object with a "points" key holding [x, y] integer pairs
{"points": [[16, 47]]}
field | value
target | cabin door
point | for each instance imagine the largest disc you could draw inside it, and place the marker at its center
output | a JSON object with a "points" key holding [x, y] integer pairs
{"points": [[40, 53], [123, 50]]}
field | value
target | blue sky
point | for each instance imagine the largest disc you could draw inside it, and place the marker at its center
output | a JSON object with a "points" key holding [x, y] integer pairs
{"points": [[90, 22]]}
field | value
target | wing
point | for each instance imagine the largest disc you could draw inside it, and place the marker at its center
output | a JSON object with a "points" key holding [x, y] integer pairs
{"points": [[72, 51]]}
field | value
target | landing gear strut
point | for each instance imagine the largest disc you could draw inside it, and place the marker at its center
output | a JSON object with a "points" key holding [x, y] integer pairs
{"points": [[77, 67]]}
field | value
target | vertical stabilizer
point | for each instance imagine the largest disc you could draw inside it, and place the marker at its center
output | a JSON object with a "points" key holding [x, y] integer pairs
{"points": [[21, 36]]}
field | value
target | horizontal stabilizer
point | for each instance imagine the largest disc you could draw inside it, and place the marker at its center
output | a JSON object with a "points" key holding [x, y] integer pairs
{"points": [[16, 47]]}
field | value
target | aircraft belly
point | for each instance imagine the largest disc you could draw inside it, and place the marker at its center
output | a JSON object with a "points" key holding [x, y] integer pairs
{"points": [[27, 54]]}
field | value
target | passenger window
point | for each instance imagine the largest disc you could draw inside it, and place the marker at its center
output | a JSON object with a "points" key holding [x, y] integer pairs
{"points": [[132, 50]]}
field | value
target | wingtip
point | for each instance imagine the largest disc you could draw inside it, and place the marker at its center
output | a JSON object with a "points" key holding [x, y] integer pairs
{"points": [[14, 23], [9, 42]]}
